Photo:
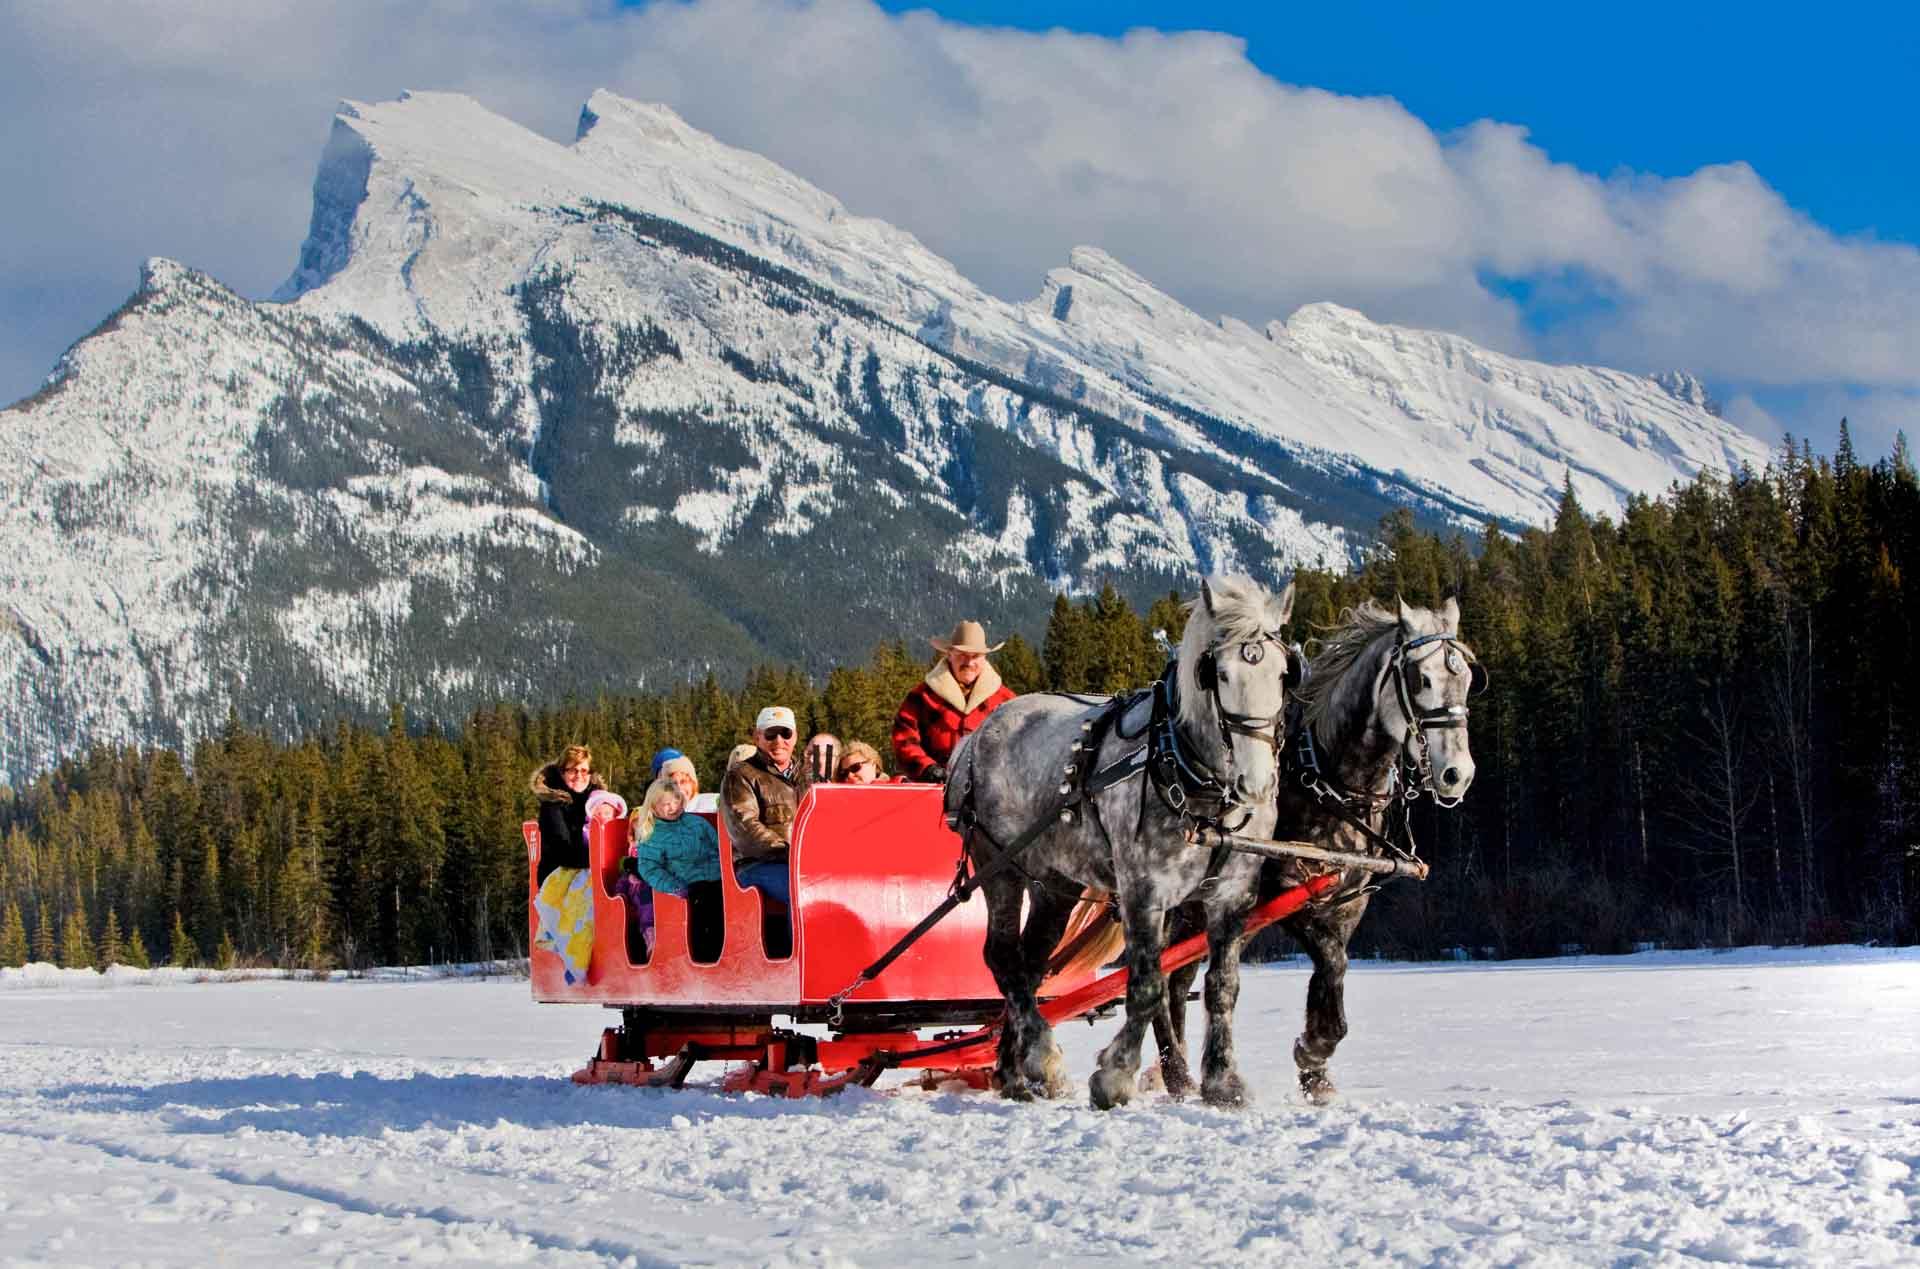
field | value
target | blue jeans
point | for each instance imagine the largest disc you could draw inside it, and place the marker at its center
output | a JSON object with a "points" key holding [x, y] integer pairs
{"points": [[769, 877]]}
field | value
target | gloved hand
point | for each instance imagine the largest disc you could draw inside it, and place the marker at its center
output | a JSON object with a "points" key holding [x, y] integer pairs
{"points": [[936, 774]]}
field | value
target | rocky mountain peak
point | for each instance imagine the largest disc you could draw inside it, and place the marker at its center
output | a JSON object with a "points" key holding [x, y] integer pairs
{"points": [[530, 418]]}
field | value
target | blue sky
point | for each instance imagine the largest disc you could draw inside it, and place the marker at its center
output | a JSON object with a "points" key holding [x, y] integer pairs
{"points": [[1643, 187], [1823, 106]]}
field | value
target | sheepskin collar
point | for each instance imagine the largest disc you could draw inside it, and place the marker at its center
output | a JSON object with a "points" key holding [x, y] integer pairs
{"points": [[941, 683]]}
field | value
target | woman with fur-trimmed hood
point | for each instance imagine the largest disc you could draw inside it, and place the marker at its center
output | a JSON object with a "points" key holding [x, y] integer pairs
{"points": [[953, 700], [565, 898]]}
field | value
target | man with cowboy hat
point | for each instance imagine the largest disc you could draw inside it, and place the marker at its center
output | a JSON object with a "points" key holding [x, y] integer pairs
{"points": [[952, 701]]}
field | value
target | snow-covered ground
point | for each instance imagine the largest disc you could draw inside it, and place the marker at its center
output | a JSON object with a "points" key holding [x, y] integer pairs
{"points": [[1762, 1107]]}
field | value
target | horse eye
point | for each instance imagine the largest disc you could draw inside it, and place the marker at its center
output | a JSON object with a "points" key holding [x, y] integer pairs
{"points": [[1251, 653], [1426, 682]]}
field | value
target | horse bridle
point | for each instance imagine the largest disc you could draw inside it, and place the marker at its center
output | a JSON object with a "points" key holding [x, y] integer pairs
{"points": [[1268, 731], [1420, 721]]}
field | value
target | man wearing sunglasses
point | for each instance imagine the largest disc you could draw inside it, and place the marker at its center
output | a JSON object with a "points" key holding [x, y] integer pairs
{"points": [[758, 798]]}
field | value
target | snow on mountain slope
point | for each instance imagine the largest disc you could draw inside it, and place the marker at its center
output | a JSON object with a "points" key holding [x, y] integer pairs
{"points": [[531, 417], [452, 186], [138, 495]]}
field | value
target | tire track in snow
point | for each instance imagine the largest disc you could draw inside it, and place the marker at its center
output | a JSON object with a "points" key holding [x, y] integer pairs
{"points": [[225, 1219], [348, 1201]]}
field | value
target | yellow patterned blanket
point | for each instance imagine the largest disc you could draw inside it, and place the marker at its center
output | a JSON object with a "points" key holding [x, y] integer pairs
{"points": [[565, 907]]}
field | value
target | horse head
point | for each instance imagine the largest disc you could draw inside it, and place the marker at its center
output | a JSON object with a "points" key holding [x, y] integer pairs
{"points": [[1234, 675], [1434, 674]]}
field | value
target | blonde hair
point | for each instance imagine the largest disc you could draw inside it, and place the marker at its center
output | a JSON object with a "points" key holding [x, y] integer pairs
{"points": [[854, 752], [576, 756], [740, 754], [641, 825]]}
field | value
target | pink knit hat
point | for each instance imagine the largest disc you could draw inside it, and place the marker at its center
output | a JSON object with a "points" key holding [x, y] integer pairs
{"points": [[601, 797]]}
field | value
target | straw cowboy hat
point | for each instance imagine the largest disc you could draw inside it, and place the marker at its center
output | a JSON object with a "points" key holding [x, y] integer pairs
{"points": [[968, 636]]}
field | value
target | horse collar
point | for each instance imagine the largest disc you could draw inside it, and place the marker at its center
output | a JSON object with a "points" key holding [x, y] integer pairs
{"points": [[1172, 767], [1303, 759]]}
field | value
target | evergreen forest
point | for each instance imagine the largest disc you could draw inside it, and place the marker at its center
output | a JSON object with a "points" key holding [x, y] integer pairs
{"points": [[1702, 729]]}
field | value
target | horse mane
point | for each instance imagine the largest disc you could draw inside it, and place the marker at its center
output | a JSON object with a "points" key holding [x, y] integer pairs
{"points": [[1341, 650], [1243, 612]]}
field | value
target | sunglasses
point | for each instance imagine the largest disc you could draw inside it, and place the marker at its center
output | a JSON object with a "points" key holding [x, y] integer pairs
{"points": [[577, 771], [855, 768], [778, 733]]}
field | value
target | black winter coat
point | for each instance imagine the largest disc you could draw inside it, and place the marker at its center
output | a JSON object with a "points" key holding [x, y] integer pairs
{"points": [[563, 820]]}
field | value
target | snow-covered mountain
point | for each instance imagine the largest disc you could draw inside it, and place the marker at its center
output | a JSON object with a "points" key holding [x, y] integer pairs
{"points": [[531, 418]]}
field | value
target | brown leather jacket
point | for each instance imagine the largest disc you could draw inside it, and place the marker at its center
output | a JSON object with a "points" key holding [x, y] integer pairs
{"points": [[758, 803]]}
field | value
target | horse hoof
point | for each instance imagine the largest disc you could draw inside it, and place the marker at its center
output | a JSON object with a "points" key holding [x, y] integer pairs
{"points": [[1014, 1090], [1052, 1078], [1228, 1090], [1108, 1089], [1317, 1088], [1163, 1077]]}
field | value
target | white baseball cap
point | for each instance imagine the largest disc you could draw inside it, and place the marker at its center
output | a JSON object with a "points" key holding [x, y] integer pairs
{"points": [[775, 716]]}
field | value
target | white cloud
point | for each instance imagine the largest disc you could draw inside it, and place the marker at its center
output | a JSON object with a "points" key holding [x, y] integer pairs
{"points": [[191, 130]]}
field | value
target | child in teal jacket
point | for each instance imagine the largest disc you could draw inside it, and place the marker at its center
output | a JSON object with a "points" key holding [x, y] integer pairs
{"points": [[673, 849]]}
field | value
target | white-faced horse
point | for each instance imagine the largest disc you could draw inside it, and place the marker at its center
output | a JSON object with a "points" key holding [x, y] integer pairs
{"points": [[1116, 811]]}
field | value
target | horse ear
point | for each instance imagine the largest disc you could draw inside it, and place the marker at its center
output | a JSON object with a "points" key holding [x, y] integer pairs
{"points": [[1286, 604], [1406, 615], [1450, 616], [1206, 596]]}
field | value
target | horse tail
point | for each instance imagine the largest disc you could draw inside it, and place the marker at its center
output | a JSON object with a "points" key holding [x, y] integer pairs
{"points": [[1092, 938]]}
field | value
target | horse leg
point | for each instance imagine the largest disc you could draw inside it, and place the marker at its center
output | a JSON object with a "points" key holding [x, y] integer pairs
{"points": [[1048, 913], [1170, 1024], [1170, 1072], [1325, 938], [1006, 961], [1112, 1083], [1220, 1082]]}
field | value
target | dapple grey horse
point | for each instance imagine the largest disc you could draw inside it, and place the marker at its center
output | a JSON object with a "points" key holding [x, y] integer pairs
{"points": [[1022, 766], [1384, 716]]}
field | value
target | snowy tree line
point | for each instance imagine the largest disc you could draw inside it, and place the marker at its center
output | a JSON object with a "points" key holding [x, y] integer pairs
{"points": [[1701, 730]]}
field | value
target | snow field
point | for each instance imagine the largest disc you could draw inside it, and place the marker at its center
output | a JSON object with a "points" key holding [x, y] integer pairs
{"points": [[1758, 1108]]}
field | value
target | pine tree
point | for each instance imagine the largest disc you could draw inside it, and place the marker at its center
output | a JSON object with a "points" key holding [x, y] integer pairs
{"points": [[1068, 650], [207, 920], [227, 953], [1168, 615], [1122, 651], [181, 951], [43, 946], [76, 949], [305, 894], [136, 957], [1020, 667], [13, 937], [111, 953]]}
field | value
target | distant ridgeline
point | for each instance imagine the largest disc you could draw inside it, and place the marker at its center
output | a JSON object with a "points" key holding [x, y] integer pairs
{"points": [[1703, 728]]}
